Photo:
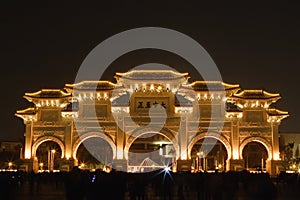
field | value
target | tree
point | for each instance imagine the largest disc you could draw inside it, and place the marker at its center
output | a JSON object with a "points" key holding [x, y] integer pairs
{"points": [[288, 152]]}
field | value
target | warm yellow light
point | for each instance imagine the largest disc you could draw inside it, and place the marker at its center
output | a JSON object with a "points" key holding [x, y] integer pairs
{"points": [[119, 154], [68, 156], [53, 151], [183, 155], [105, 95], [10, 164], [41, 164], [151, 87], [136, 86], [235, 155], [27, 154], [276, 156], [168, 86]]}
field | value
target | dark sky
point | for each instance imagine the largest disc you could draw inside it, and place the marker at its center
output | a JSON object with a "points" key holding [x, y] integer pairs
{"points": [[43, 46]]}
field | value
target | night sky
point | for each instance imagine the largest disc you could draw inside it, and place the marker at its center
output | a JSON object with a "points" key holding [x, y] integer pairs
{"points": [[43, 46]]}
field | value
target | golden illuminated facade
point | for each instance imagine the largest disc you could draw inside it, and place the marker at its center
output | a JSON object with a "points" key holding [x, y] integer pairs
{"points": [[121, 109]]}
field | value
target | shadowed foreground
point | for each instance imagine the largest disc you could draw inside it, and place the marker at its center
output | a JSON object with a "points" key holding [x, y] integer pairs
{"points": [[86, 185]]}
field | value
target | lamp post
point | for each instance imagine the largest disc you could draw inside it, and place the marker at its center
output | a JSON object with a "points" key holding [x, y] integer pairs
{"points": [[198, 161], [41, 166], [202, 164], [51, 159], [10, 164]]}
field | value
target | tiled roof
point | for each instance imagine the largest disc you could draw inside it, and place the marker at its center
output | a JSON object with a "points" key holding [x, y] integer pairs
{"points": [[152, 75], [92, 85], [212, 86], [255, 94], [276, 112], [48, 93], [28, 111]]}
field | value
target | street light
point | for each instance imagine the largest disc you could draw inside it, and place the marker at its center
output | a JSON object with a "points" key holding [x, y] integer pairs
{"points": [[198, 161], [41, 166], [10, 164], [82, 165], [51, 159]]}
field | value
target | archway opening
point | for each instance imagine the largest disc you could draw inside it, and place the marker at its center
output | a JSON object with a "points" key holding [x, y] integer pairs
{"points": [[48, 155], [255, 155], [209, 154], [94, 153], [149, 152]]}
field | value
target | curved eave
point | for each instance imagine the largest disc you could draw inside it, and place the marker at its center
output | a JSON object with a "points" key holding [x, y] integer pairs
{"points": [[276, 112], [91, 85], [128, 75], [42, 94], [28, 111], [213, 85], [27, 114], [273, 99], [256, 95], [150, 71], [230, 86], [153, 79]]}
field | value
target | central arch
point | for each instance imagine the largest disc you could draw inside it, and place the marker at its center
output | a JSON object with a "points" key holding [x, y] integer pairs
{"points": [[140, 132], [216, 136], [48, 138], [88, 135]]}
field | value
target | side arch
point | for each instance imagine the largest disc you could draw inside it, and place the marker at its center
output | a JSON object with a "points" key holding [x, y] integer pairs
{"points": [[139, 132], [90, 135], [42, 139], [261, 140], [217, 136]]}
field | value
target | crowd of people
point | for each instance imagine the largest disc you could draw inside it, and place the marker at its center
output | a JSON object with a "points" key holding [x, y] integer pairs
{"points": [[160, 184]]}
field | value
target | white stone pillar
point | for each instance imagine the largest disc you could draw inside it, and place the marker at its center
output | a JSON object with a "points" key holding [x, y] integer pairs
{"points": [[28, 140]]}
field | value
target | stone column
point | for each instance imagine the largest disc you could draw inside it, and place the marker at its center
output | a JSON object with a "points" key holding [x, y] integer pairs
{"points": [[119, 162], [235, 163], [183, 138], [275, 141], [68, 140], [120, 137], [274, 165], [235, 140], [183, 163], [28, 140]]}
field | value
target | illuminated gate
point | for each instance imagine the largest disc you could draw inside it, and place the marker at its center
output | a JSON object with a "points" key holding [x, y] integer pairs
{"points": [[157, 101]]}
